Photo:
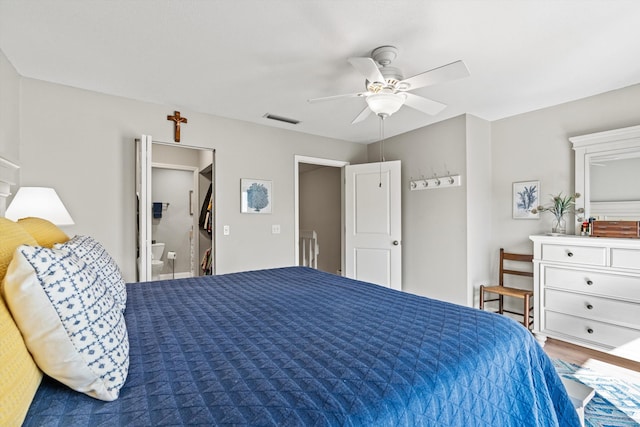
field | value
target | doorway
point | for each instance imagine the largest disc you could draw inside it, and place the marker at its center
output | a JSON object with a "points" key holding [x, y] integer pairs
{"points": [[176, 209], [319, 207], [172, 224]]}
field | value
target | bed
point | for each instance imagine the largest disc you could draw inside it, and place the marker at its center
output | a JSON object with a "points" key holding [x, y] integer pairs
{"points": [[295, 346]]}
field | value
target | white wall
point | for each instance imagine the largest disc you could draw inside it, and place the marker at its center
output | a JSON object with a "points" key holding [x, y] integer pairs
{"points": [[479, 206], [535, 146], [9, 124], [177, 154], [434, 222], [81, 143], [9, 110]]}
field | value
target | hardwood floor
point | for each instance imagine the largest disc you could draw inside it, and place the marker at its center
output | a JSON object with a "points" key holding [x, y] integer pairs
{"points": [[584, 356]]}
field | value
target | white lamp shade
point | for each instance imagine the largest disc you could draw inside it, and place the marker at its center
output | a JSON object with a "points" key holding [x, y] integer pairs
{"points": [[385, 104], [39, 202]]}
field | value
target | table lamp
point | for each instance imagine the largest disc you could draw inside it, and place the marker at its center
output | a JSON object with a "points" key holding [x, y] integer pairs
{"points": [[39, 202]]}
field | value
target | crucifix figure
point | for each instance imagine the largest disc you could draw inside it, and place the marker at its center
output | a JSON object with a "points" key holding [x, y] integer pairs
{"points": [[176, 119]]}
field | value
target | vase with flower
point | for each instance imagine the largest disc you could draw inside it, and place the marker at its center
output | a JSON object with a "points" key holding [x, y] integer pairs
{"points": [[560, 206]]}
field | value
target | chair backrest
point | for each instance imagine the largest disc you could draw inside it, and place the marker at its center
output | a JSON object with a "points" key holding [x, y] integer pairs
{"points": [[513, 257]]}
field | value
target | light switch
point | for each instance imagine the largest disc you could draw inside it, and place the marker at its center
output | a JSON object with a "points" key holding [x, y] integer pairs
{"points": [[226, 230], [275, 229]]}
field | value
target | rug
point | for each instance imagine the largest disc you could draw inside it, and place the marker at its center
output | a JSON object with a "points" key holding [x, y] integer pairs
{"points": [[616, 401]]}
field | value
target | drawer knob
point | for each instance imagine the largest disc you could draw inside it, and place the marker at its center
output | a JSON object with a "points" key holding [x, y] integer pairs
{"points": [[589, 307], [590, 330], [589, 282], [569, 254]]}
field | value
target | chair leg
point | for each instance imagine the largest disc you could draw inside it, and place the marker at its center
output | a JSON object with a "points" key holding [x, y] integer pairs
{"points": [[500, 303], [481, 297], [526, 311]]}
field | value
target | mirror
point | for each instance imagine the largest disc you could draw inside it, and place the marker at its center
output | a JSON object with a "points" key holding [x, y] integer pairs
{"points": [[175, 192], [607, 172], [608, 176]]}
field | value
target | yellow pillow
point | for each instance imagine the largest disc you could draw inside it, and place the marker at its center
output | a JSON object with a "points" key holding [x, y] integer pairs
{"points": [[19, 375], [12, 235], [45, 232]]}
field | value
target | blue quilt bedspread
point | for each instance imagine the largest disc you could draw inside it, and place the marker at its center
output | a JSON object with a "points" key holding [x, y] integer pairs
{"points": [[294, 346]]}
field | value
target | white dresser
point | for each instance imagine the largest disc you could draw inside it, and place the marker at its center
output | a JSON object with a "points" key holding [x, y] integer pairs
{"points": [[587, 290]]}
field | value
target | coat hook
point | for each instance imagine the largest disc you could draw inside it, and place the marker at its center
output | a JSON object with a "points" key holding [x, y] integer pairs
{"points": [[450, 178]]}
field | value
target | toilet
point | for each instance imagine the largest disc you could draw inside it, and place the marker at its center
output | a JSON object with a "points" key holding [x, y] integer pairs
{"points": [[157, 249]]}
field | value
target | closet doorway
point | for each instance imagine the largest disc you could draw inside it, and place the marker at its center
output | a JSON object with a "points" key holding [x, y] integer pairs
{"points": [[175, 192]]}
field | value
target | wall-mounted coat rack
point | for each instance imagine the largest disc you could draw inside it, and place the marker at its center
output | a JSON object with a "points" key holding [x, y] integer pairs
{"points": [[435, 182]]}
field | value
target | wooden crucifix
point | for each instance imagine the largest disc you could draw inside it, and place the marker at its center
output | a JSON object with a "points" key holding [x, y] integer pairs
{"points": [[176, 119]]}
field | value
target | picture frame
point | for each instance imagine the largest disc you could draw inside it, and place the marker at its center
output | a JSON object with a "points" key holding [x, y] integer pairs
{"points": [[256, 196], [526, 197]]}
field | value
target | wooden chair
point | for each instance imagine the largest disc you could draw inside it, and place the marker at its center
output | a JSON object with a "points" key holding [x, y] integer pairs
{"points": [[501, 291]]}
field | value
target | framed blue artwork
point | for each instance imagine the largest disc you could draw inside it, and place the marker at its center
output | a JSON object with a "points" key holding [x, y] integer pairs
{"points": [[526, 197], [256, 196]]}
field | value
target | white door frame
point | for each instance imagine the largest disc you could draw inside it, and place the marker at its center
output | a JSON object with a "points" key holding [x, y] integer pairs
{"points": [[143, 190], [296, 203]]}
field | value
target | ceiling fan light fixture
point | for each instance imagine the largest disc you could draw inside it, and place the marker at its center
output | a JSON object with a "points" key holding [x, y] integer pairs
{"points": [[385, 104]]}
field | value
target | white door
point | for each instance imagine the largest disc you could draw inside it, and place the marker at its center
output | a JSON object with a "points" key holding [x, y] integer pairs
{"points": [[373, 224], [143, 191]]}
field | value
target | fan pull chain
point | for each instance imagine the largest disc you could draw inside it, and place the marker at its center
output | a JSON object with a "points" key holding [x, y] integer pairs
{"points": [[381, 150]]}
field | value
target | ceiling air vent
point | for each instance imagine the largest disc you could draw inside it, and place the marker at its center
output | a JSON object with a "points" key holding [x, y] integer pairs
{"points": [[281, 119]]}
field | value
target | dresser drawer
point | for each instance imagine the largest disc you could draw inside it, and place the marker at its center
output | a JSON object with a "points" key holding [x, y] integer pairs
{"points": [[614, 285], [574, 254], [625, 258], [589, 330], [592, 307]]}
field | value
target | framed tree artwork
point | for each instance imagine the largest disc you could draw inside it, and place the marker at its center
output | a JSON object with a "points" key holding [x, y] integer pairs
{"points": [[256, 196], [526, 197]]}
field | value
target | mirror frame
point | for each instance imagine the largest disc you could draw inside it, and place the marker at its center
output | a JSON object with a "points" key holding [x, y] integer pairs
{"points": [[624, 141]]}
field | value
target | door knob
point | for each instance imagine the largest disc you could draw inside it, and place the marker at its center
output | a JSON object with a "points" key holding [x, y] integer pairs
{"points": [[396, 243]]}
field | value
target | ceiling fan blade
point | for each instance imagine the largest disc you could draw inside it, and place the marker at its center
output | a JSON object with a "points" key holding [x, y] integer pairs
{"points": [[363, 115], [331, 98], [453, 71], [427, 106], [368, 68]]}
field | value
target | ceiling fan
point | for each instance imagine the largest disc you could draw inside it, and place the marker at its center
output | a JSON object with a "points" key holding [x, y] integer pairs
{"points": [[387, 90]]}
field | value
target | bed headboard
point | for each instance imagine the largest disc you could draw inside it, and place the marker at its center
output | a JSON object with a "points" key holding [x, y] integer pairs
{"points": [[8, 178]]}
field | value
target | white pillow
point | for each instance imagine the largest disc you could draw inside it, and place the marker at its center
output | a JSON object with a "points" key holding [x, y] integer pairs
{"points": [[70, 322], [92, 252]]}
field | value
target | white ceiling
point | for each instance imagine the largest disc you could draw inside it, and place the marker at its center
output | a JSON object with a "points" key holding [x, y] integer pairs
{"points": [[244, 58]]}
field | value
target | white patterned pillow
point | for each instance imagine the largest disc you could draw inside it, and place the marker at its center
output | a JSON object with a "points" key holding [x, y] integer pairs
{"points": [[92, 252], [70, 322]]}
